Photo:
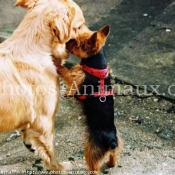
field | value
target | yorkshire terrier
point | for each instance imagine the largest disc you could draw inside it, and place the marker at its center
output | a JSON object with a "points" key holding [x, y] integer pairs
{"points": [[96, 93]]}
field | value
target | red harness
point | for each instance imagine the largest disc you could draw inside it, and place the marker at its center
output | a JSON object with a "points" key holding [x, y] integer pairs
{"points": [[102, 74]]}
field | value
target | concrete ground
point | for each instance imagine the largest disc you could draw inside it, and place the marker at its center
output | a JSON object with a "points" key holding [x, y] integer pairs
{"points": [[140, 51]]}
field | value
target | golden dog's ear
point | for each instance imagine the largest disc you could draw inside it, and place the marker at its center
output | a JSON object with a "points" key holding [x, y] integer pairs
{"points": [[62, 24], [26, 3]]}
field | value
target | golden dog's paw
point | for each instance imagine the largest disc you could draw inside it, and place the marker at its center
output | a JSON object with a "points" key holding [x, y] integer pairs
{"points": [[66, 166]]}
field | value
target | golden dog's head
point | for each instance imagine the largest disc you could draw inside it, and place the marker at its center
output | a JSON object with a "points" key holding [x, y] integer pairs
{"points": [[64, 17]]}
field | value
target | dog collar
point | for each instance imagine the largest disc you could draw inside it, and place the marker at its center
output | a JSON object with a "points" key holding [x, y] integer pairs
{"points": [[99, 73]]}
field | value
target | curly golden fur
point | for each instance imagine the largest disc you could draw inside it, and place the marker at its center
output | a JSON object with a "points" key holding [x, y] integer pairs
{"points": [[29, 84]]}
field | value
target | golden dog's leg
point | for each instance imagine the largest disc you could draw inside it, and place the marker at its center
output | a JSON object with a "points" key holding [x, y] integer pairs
{"points": [[39, 139], [64, 73], [70, 79]]}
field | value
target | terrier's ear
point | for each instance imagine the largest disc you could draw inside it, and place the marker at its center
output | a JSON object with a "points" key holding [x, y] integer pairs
{"points": [[71, 44], [93, 39], [26, 3], [105, 30]]}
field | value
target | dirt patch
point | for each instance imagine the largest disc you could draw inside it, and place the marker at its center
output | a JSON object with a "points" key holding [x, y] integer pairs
{"points": [[146, 126]]}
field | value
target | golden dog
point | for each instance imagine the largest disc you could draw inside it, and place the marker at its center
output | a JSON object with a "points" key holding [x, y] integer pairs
{"points": [[29, 84]]}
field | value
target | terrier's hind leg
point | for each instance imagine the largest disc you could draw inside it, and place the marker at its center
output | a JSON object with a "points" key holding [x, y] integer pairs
{"points": [[93, 156], [113, 156]]}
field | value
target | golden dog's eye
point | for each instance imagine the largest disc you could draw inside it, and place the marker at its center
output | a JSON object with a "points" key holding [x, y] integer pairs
{"points": [[79, 27]]}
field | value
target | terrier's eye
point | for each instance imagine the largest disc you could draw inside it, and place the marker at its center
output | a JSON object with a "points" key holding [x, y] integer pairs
{"points": [[83, 46]]}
